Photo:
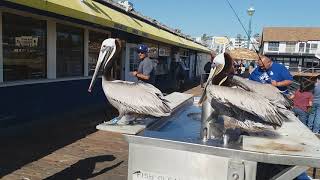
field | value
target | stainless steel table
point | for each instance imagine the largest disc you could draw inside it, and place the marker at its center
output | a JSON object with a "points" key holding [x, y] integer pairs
{"points": [[172, 150]]}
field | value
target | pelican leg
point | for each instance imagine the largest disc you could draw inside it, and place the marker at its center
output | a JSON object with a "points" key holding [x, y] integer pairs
{"points": [[121, 120], [113, 121]]}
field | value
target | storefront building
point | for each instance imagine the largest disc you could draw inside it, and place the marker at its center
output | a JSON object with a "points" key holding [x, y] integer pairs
{"points": [[49, 50]]}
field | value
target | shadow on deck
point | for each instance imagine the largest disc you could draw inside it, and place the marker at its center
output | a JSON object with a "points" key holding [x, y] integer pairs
{"points": [[36, 139]]}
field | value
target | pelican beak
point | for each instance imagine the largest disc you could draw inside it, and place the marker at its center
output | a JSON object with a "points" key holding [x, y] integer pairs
{"points": [[104, 57], [213, 72]]}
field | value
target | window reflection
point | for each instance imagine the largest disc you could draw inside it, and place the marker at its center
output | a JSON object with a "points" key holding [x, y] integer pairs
{"points": [[69, 51], [24, 48], [95, 41]]}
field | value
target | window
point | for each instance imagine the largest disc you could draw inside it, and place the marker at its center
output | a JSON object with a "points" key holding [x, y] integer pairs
{"points": [[273, 46], [152, 50], [95, 41], [294, 63], [69, 51], [280, 60], [24, 48], [308, 47], [163, 60], [133, 59], [290, 47], [311, 47], [314, 48], [301, 47], [184, 56]]}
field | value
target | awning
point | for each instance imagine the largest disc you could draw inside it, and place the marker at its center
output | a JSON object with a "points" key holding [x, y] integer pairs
{"points": [[94, 12], [243, 54]]}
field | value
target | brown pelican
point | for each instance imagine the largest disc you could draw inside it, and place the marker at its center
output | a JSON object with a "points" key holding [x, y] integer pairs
{"points": [[242, 103], [129, 98]]}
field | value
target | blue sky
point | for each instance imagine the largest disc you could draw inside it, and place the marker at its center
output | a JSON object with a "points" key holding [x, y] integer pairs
{"points": [[214, 17]]}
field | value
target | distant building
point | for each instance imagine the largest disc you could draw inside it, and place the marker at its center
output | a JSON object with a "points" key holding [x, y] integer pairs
{"points": [[127, 5], [215, 43], [242, 42], [220, 44], [237, 42], [295, 47]]}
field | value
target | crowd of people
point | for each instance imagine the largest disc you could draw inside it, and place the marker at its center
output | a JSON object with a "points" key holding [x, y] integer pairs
{"points": [[307, 106]]}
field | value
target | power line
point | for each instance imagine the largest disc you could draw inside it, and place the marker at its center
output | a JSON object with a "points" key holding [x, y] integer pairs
{"points": [[255, 49]]}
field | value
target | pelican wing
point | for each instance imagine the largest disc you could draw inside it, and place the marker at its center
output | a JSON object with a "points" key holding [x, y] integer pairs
{"points": [[137, 97], [266, 90], [250, 102]]}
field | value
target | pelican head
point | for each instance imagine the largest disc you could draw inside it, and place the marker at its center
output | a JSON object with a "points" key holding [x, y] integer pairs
{"points": [[107, 52], [222, 66]]}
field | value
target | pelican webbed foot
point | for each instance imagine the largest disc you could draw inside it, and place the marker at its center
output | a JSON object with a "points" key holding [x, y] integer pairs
{"points": [[122, 121]]}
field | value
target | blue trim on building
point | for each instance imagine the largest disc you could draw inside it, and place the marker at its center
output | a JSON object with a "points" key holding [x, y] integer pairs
{"points": [[25, 103]]}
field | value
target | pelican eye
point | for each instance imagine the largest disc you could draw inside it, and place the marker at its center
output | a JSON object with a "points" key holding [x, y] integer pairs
{"points": [[103, 48]]}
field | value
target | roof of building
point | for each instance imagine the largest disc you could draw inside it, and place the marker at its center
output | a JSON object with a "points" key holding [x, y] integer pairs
{"points": [[290, 33], [107, 14]]}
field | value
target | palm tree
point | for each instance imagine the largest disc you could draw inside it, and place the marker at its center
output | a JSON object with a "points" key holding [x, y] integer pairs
{"points": [[204, 37]]}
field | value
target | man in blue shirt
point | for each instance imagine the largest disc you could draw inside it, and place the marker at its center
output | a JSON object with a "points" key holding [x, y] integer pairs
{"points": [[272, 73], [146, 69], [277, 75]]}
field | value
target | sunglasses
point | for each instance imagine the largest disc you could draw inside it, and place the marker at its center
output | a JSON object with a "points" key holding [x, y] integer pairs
{"points": [[139, 52]]}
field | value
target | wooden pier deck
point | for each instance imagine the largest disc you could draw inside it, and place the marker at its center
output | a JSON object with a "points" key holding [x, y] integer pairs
{"points": [[100, 155], [70, 150]]}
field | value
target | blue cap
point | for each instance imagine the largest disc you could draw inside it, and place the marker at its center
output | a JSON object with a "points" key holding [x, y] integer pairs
{"points": [[142, 48]]}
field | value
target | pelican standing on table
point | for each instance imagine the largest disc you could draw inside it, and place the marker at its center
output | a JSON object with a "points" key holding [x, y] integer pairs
{"points": [[242, 103], [131, 99]]}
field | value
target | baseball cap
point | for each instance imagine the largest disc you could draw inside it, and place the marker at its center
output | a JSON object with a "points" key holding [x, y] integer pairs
{"points": [[142, 48]]}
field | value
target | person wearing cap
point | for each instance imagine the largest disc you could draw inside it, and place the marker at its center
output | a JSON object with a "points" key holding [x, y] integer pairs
{"points": [[145, 72], [272, 73], [279, 76]]}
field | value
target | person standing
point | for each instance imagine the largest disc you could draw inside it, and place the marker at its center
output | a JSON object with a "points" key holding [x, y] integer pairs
{"points": [[302, 100], [278, 76], [207, 68], [251, 67], [208, 65], [314, 116], [272, 73], [146, 70]]}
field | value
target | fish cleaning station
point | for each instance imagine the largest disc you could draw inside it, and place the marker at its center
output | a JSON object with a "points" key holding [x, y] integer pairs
{"points": [[172, 148], [228, 133]]}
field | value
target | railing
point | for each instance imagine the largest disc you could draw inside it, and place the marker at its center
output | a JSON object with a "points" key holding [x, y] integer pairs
{"points": [[290, 51], [305, 70], [305, 80]]}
